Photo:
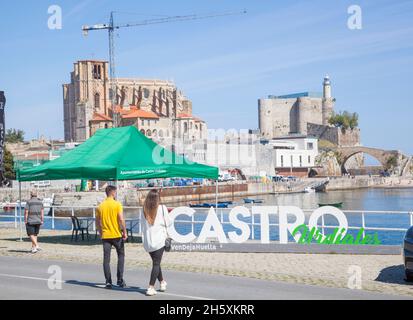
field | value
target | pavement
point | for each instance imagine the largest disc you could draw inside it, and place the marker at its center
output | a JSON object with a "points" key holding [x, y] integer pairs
{"points": [[25, 278]]}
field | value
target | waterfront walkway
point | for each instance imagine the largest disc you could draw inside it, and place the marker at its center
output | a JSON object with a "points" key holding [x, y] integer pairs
{"points": [[22, 278], [380, 273]]}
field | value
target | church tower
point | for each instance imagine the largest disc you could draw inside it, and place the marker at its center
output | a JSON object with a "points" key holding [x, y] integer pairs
{"points": [[328, 101]]}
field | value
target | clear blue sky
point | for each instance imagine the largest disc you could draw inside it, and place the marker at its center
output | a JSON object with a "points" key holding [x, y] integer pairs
{"points": [[223, 65]]}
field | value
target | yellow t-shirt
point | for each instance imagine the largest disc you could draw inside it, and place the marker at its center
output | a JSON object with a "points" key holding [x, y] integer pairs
{"points": [[108, 212]]}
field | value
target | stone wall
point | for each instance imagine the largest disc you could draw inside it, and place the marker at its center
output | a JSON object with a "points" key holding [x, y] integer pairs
{"points": [[346, 138], [275, 115], [280, 117], [309, 110], [343, 183]]}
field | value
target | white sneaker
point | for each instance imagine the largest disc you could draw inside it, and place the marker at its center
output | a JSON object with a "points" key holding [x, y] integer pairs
{"points": [[34, 250], [151, 291], [163, 286]]}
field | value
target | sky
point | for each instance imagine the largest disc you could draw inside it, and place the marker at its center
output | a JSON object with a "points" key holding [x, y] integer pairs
{"points": [[224, 65]]}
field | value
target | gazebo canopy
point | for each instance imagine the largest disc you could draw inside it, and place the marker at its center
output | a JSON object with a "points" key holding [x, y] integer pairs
{"points": [[118, 154]]}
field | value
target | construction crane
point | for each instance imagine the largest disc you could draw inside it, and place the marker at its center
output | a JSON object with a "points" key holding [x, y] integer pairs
{"points": [[111, 27]]}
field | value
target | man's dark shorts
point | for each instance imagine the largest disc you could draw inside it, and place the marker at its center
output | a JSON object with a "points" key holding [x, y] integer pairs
{"points": [[32, 229]]}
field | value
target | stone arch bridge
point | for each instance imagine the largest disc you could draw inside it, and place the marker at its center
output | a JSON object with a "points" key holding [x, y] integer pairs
{"points": [[381, 155]]}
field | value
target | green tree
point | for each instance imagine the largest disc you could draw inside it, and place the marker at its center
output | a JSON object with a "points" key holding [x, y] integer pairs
{"points": [[354, 120], [391, 163], [14, 136], [344, 120], [9, 165]]}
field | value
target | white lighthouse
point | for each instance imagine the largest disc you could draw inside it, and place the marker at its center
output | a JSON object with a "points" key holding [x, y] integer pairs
{"points": [[326, 87], [327, 102]]}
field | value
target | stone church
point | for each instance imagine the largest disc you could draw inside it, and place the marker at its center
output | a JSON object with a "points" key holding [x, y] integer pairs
{"points": [[156, 107]]}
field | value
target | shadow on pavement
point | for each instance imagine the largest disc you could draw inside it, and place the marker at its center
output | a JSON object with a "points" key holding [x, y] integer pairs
{"points": [[67, 239], [393, 274], [102, 286], [20, 251]]}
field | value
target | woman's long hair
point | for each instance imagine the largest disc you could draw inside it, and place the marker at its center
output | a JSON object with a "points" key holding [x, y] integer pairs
{"points": [[150, 206]]}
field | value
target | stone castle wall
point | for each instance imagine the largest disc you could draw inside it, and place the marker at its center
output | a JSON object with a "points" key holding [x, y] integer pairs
{"points": [[347, 138], [280, 117], [308, 110], [274, 116]]}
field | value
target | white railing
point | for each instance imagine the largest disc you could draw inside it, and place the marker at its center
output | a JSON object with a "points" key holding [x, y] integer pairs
{"points": [[221, 213]]}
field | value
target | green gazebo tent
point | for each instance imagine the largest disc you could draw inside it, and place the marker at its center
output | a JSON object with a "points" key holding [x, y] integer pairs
{"points": [[118, 154]]}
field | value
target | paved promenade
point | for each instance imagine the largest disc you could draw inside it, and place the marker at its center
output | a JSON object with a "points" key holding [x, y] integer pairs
{"points": [[22, 278], [380, 273]]}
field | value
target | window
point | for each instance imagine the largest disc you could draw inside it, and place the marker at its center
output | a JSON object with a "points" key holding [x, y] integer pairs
{"points": [[310, 146], [142, 122], [149, 122], [142, 131], [97, 101], [148, 133], [97, 72], [185, 127], [146, 93], [309, 159], [282, 161], [301, 161], [154, 133]]}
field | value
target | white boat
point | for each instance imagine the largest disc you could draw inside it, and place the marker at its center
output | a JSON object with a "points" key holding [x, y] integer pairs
{"points": [[10, 206], [309, 190]]}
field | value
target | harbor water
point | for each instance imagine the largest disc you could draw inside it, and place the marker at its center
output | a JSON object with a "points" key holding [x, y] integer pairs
{"points": [[376, 199]]}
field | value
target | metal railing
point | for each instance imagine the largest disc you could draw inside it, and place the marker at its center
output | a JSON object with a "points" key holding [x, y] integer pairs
{"points": [[221, 213]]}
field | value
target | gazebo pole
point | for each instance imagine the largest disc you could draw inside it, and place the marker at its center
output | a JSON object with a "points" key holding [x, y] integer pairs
{"points": [[216, 194], [20, 210]]}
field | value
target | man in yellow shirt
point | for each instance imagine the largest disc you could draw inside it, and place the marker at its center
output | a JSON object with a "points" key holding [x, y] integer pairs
{"points": [[112, 229]]}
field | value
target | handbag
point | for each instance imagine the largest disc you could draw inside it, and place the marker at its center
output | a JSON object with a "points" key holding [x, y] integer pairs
{"points": [[168, 240]]}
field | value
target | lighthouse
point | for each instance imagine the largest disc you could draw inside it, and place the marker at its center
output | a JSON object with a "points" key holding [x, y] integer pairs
{"points": [[327, 103], [326, 87]]}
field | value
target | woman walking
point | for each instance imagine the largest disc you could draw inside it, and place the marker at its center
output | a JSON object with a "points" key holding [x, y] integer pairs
{"points": [[154, 230]]}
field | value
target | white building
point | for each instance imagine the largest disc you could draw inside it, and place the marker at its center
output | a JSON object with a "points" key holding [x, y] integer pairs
{"points": [[294, 155]]}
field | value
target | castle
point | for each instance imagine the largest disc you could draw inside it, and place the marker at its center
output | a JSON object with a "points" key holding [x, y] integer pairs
{"points": [[305, 113], [156, 107], [289, 114]]}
